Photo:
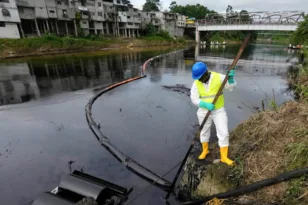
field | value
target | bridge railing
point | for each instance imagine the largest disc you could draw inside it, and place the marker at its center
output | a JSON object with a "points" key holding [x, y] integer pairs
{"points": [[253, 18]]}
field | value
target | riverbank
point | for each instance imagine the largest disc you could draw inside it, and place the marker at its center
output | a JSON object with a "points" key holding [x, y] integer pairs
{"points": [[283, 40], [50, 44], [269, 143]]}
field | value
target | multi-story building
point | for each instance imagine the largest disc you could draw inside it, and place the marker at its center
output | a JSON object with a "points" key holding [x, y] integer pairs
{"points": [[174, 24], [9, 19], [156, 18], [29, 18]]}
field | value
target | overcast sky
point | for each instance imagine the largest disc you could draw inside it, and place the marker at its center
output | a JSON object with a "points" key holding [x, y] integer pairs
{"points": [[249, 5]]}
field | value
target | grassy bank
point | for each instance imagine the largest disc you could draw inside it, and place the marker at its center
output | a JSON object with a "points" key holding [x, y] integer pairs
{"points": [[220, 38], [275, 40], [269, 143], [50, 44], [273, 142]]}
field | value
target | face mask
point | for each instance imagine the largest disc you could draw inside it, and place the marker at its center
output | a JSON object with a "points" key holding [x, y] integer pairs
{"points": [[205, 77]]}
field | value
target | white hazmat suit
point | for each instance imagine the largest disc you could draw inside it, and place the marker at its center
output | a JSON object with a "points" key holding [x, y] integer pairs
{"points": [[219, 116]]}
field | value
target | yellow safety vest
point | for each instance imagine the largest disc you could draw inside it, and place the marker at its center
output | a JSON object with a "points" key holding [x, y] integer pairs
{"points": [[208, 96]]}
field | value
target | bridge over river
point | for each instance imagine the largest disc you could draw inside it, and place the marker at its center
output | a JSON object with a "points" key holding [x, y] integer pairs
{"points": [[249, 21]]}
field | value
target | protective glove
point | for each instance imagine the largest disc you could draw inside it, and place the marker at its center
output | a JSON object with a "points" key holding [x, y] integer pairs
{"points": [[206, 105], [231, 77]]}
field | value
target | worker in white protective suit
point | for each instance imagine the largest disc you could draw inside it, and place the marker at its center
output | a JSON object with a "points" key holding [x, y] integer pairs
{"points": [[202, 94]]}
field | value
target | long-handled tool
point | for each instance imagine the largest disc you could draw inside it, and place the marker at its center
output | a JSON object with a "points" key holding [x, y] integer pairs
{"points": [[208, 114]]}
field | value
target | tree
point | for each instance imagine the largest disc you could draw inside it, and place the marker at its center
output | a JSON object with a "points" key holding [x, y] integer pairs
{"points": [[197, 11], [151, 5], [244, 16], [229, 10], [300, 36]]}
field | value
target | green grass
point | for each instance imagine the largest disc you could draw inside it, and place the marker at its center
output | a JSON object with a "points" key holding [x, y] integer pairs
{"points": [[281, 39], [295, 189], [163, 36], [297, 154], [49, 42], [155, 38], [218, 38]]}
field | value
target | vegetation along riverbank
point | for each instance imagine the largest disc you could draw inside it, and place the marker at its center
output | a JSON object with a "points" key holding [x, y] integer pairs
{"points": [[51, 44], [271, 142]]}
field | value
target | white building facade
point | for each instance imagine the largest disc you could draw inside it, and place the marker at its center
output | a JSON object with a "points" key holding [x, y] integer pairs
{"points": [[9, 19], [32, 18]]}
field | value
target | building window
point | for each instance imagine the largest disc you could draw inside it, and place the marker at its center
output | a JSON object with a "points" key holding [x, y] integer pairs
{"points": [[118, 1], [100, 13], [66, 2], [6, 12], [2, 24], [128, 17], [84, 22], [110, 7], [156, 21], [59, 2], [99, 4], [64, 12], [51, 11], [5, 1]]}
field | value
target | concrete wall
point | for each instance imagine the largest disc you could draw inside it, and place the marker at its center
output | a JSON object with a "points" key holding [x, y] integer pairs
{"points": [[27, 3], [10, 30], [122, 16], [98, 25], [51, 8], [26, 13], [66, 13], [118, 2], [170, 16], [99, 11], [173, 29], [84, 24], [41, 12], [180, 31], [181, 20], [50, 3], [11, 8], [14, 16], [156, 18], [40, 9], [52, 12], [11, 4], [145, 18], [137, 19], [108, 7]]}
